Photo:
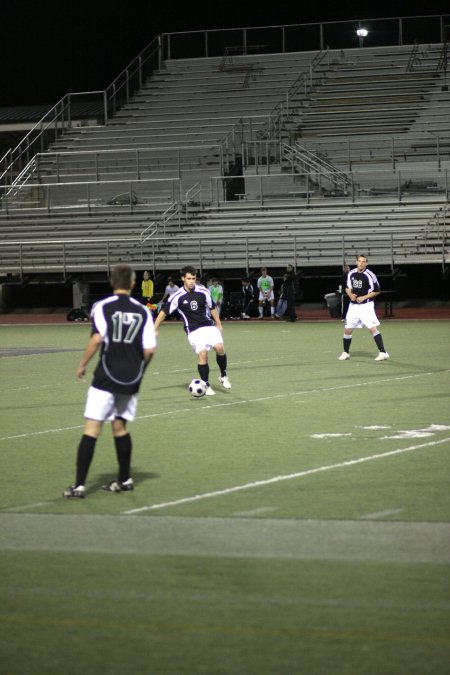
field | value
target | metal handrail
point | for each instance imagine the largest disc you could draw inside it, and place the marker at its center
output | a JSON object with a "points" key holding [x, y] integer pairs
{"points": [[154, 227], [314, 164], [193, 192], [325, 34], [59, 117], [282, 111], [391, 247]]}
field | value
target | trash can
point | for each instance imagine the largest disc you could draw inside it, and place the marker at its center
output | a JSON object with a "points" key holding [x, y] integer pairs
{"points": [[333, 301]]}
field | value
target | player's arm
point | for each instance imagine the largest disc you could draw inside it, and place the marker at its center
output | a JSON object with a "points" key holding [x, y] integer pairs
{"points": [[148, 355], [216, 317], [369, 296], [91, 348], [353, 297], [159, 319]]}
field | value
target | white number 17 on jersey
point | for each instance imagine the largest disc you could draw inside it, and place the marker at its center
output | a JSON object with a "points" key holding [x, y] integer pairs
{"points": [[126, 326]]}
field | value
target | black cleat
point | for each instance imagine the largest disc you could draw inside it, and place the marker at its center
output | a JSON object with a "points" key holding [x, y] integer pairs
{"points": [[74, 492], [118, 486]]}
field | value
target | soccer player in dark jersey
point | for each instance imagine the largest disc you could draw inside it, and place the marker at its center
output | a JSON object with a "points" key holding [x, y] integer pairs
{"points": [[362, 287], [123, 329], [201, 323]]}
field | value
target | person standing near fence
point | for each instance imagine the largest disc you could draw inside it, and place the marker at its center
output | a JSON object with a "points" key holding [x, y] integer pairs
{"points": [[362, 287], [266, 294], [147, 287], [282, 299], [216, 290], [170, 289], [290, 292], [247, 297]]}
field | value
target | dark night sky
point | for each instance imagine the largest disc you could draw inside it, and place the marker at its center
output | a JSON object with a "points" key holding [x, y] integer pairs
{"points": [[49, 48]]}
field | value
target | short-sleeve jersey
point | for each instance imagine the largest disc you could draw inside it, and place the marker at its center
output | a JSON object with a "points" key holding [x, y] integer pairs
{"points": [[170, 290], [194, 307], [265, 284], [216, 293], [127, 328], [362, 283], [147, 288]]}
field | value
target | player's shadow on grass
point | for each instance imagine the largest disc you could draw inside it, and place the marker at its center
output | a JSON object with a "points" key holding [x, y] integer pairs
{"points": [[361, 357]]}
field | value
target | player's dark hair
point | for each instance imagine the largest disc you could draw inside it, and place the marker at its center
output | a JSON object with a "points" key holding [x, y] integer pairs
{"points": [[188, 269], [122, 277]]}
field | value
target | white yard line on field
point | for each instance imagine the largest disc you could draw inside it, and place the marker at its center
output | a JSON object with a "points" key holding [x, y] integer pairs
{"points": [[278, 479], [210, 406]]}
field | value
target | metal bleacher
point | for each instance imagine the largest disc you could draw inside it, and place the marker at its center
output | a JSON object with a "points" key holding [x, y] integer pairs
{"points": [[343, 149]]}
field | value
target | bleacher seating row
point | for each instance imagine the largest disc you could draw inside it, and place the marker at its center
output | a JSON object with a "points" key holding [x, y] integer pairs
{"points": [[233, 235], [191, 118]]}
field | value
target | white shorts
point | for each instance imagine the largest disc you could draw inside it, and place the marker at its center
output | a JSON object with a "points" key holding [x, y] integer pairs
{"points": [[102, 405], [205, 338], [266, 296], [361, 315]]}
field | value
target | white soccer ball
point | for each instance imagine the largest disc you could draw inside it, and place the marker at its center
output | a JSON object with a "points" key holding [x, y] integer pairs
{"points": [[197, 388]]}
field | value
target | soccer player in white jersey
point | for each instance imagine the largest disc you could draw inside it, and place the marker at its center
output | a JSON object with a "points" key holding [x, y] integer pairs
{"points": [[201, 323], [123, 328], [362, 287]]}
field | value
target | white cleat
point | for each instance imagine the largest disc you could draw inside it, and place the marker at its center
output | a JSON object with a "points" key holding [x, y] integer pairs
{"points": [[225, 382], [382, 356], [344, 356], [210, 392]]}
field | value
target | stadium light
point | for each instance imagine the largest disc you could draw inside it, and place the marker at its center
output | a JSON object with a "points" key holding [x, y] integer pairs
{"points": [[362, 33]]}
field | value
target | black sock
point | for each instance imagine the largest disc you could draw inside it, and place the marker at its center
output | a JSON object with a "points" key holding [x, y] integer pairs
{"points": [[347, 341], [222, 363], [85, 454], [123, 452], [379, 342], [203, 371]]}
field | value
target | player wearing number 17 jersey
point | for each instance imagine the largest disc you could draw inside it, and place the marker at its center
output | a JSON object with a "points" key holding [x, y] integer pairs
{"points": [[123, 330]]}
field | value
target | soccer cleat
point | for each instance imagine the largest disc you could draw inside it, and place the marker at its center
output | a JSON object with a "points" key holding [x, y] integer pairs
{"points": [[225, 382], [344, 356], [382, 356], [260, 317], [245, 316], [118, 486], [210, 392], [74, 492]]}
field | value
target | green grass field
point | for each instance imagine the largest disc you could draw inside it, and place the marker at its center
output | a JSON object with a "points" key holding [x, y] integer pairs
{"points": [[297, 524]]}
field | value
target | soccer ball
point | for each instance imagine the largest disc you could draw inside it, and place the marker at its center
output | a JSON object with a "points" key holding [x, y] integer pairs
{"points": [[197, 388]]}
